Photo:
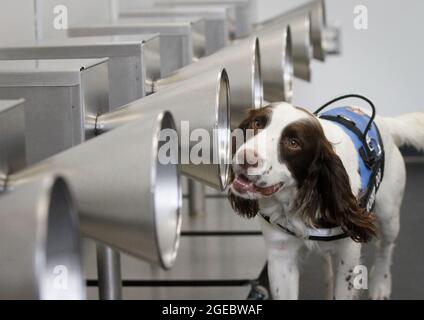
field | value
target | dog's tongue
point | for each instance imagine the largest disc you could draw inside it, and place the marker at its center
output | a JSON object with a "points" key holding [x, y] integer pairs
{"points": [[243, 185], [269, 190]]}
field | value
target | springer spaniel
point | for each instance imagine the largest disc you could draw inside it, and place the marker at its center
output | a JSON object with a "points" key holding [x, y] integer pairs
{"points": [[303, 170]]}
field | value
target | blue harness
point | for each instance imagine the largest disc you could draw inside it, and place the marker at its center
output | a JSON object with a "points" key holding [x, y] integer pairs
{"points": [[371, 165], [370, 149]]}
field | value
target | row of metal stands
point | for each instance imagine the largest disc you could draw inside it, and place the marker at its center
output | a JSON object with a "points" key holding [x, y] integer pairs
{"points": [[79, 142]]}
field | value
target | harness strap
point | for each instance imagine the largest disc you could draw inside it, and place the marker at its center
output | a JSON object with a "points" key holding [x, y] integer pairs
{"points": [[324, 234], [374, 161], [366, 154]]}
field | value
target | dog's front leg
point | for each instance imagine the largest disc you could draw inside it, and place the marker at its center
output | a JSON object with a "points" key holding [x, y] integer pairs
{"points": [[346, 255], [283, 272]]}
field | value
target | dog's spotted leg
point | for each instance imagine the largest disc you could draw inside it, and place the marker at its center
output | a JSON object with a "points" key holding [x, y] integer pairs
{"points": [[345, 257], [380, 277], [387, 209], [283, 271], [329, 276]]}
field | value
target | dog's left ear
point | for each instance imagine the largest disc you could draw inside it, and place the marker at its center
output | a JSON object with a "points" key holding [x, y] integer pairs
{"points": [[244, 207], [327, 189]]}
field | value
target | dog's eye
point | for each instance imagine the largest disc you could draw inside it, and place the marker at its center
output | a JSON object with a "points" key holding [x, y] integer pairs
{"points": [[258, 123], [292, 143]]}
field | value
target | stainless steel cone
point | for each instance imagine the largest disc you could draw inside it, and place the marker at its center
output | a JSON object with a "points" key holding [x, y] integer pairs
{"points": [[198, 103], [318, 24], [277, 63], [39, 242], [242, 61], [120, 185]]}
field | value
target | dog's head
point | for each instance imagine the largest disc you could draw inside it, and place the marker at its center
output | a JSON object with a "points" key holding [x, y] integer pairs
{"points": [[287, 156]]}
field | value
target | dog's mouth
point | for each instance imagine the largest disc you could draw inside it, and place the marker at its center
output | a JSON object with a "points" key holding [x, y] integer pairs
{"points": [[243, 185]]}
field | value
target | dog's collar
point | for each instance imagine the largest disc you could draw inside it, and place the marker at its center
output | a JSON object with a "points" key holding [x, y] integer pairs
{"points": [[314, 234]]}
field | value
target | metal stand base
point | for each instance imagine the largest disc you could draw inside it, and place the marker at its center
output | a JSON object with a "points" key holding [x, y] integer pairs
{"points": [[196, 198], [109, 273]]}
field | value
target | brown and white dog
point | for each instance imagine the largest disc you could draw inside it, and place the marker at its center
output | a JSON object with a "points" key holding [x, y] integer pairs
{"points": [[304, 170]]}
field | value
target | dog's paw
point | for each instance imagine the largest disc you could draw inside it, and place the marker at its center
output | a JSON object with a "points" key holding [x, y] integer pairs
{"points": [[380, 285]]}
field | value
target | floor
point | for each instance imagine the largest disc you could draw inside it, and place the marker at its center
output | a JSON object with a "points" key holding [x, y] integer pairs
{"points": [[226, 264]]}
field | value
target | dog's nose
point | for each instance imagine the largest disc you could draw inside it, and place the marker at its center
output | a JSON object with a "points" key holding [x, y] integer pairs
{"points": [[248, 158]]}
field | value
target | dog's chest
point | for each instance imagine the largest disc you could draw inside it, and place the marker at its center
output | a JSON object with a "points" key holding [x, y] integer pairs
{"points": [[283, 220]]}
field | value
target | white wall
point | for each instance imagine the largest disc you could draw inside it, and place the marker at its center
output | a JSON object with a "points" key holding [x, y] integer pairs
{"points": [[17, 17], [384, 62], [80, 12], [16, 21]]}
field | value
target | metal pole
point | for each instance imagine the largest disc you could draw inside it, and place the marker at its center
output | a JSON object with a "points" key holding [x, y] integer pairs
{"points": [[196, 198], [109, 260], [113, 11], [38, 20], [109, 273]]}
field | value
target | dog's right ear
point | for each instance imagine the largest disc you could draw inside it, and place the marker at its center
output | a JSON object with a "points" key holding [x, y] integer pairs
{"points": [[244, 207], [327, 190]]}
